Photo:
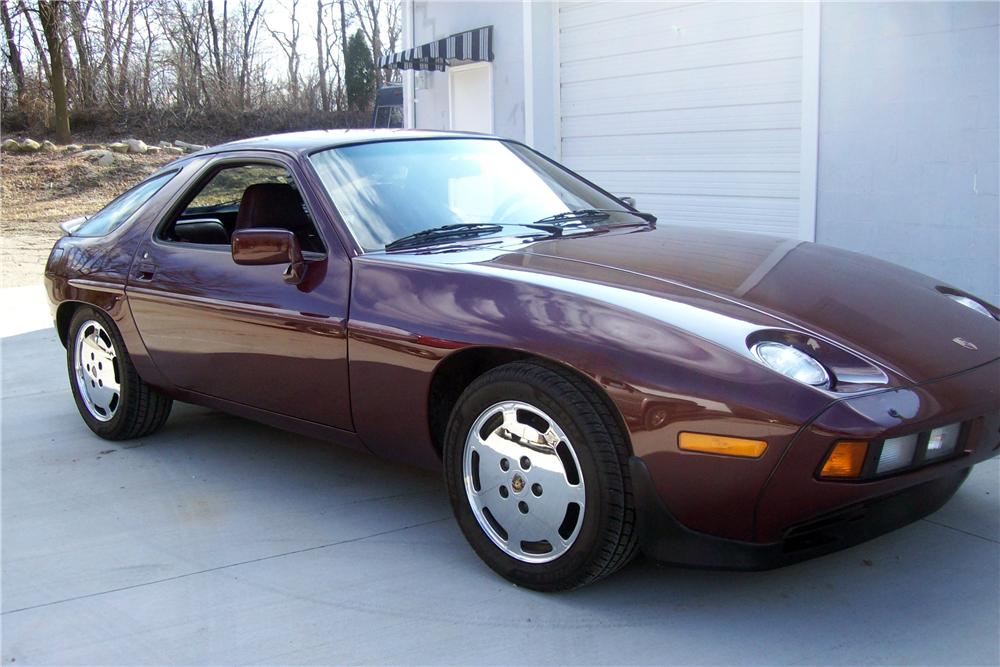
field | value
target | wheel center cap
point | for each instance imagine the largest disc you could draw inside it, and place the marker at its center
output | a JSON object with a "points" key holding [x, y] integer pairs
{"points": [[517, 484]]}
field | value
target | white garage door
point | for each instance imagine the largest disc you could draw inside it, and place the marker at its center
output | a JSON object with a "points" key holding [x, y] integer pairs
{"points": [[693, 109]]}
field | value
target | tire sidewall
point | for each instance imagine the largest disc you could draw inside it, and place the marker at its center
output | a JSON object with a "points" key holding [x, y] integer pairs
{"points": [[578, 560], [112, 427]]}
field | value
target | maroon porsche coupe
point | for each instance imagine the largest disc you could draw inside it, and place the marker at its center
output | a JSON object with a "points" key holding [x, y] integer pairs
{"points": [[592, 382]]}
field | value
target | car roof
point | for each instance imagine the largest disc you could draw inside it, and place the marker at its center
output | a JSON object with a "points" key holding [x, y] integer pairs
{"points": [[314, 140]]}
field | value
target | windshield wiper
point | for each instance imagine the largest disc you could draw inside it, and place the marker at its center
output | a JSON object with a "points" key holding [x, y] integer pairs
{"points": [[553, 225], [462, 230], [585, 213]]}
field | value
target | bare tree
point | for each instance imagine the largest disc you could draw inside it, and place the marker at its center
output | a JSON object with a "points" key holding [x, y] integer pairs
{"points": [[324, 90], [393, 29], [36, 40], [86, 75], [50, 15], [149, 61], [289, 43], [220, 72], [343, 37], [13, 53], [250, 29]]}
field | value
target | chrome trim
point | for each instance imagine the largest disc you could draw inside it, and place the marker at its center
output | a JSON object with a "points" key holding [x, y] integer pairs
{"points": [[525, 494], [97, 372]]}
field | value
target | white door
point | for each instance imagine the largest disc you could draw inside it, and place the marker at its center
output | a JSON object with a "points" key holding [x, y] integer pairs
{"points": [[470, 89], [695, 110]]}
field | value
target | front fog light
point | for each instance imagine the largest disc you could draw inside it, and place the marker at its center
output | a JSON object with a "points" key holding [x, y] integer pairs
{"points": [[897, 453], [792, 362], [942, 441]]}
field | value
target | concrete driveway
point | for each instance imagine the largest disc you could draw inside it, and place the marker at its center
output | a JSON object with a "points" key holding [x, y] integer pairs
{"points": [[222, 541]]}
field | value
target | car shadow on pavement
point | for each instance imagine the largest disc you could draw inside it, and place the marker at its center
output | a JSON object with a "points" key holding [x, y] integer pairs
{"points": [[221, 521]]}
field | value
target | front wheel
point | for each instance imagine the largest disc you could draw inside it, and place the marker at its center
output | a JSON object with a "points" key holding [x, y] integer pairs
{"points": [[111, 397], [537, 473]]}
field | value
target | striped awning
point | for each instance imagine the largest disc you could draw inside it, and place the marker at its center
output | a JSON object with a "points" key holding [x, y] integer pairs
{"points": [[460, 49]]}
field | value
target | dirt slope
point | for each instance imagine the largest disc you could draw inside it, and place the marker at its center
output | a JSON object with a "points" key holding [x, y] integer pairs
{"points": [[39, 191]]}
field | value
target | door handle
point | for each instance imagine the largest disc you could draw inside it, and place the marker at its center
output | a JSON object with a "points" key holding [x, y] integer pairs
{"points": [[145, 271]]}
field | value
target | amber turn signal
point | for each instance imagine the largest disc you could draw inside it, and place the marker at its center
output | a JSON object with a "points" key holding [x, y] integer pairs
{"points": [[845, 460], [721, 444]]}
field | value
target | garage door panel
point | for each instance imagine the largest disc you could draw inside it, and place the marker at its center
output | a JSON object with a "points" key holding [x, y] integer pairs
{"points": [[577, 14], [640, 162], [765, 215], [676, 59], [695, 110], [752, 117], [764, 142], [698, 24], [702, 99], [705, 183], [720, 79]]}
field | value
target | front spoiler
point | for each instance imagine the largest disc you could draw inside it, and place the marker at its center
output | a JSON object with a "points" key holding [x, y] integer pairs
{"points": [[664, 538]]}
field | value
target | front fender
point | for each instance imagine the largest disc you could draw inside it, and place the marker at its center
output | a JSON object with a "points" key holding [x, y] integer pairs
{"points": [[649, 351]]}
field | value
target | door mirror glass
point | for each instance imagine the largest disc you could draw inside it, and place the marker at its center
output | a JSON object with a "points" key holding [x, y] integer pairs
{"points": [[256, 247], [628, 201]]}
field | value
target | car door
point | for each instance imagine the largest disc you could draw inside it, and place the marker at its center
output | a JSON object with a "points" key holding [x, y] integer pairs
{"points": [[241, 333]]}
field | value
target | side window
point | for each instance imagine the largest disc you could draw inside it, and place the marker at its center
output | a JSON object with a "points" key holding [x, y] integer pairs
{"points": [[121, 209], [243, 196]]}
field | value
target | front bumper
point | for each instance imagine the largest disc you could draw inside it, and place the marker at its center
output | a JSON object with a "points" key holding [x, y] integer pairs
{"points": [[797, 516], [664, 538]]}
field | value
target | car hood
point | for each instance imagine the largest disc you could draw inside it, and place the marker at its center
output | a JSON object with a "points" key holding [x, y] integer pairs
{"points": [[895, 317]]}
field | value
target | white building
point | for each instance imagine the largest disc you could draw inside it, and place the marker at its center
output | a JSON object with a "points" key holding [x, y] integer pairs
{"points": [[872, 127]]}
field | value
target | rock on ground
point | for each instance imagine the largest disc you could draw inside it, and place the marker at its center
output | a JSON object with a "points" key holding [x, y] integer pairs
{"points": [[29, 146], [173, 150], [190, 148], [10, 146], [74, 148], [118, 147], [48, 147], [136, 146], [99, 156]]}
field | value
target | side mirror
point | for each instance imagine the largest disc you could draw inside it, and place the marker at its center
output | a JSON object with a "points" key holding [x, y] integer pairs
{"points": [[256, 247], [628, 201]]}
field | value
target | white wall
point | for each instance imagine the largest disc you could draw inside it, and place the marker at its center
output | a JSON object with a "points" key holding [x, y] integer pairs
{"points": [[693, 109], [433, 19], [909, 144]]}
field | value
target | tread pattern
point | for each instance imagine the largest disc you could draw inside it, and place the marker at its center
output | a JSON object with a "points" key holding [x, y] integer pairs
{"points": [[623, 545], [143, 409], [608, 445]]}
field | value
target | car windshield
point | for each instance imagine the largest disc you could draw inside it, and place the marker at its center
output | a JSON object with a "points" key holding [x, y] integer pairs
{"points": [[388, 190]]}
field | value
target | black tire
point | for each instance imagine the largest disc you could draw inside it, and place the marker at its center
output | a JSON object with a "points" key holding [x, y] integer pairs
{"points": [[607, 537], [141, 410]]}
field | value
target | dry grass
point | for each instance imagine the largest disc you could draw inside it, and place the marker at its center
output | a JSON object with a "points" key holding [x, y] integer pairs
{"points": [[39, 191]]}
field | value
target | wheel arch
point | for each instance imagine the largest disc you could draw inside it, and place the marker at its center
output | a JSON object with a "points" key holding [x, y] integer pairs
{"points": [[460, 369], [64, 315]]}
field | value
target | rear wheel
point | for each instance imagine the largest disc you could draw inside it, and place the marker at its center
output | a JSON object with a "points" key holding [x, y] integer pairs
{"points": [[113, 401], [537, 473]]}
